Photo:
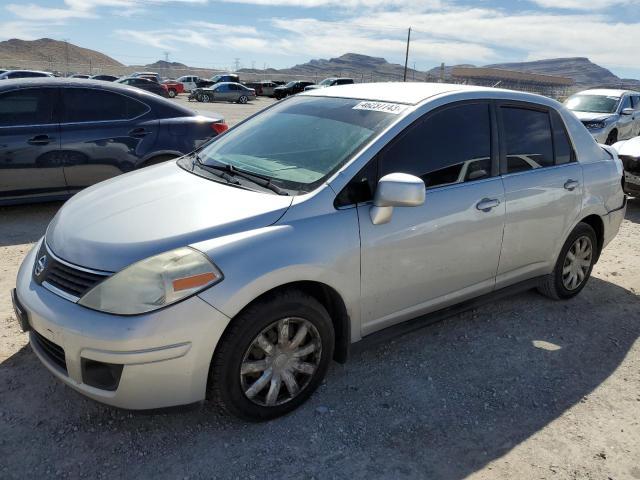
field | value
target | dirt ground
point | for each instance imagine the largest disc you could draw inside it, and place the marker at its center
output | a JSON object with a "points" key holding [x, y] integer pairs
{"points": [[525, 388]]}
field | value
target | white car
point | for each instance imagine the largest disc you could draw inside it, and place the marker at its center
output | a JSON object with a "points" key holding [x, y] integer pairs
{"points": [[189, 82]]}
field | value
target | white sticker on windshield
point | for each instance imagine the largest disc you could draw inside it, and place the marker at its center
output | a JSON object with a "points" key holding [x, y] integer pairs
{"points": [[394, 108]]}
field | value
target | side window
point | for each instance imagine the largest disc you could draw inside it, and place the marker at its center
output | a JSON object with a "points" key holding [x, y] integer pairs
{"points": [[527, 139], [626, 102], [31, 106], [563, 149], [90, 105], [433, 151]]}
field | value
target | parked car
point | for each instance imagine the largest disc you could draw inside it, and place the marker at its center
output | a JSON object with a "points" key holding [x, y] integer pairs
{"points": [[145, 84], [330, 82], [173, 87], [266, 88], [58, 136], [224, 92], [12, 74], [189, 82], [244, 269], [290, 88], [609, 115], [105, 78], [225, 77], [629, 152], [80, 75], [154, 75]]}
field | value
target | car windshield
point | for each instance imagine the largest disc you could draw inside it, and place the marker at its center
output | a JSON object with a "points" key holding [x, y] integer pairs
{"points": [[298, 143], [593, 103], [290, 84], [327, 81]]}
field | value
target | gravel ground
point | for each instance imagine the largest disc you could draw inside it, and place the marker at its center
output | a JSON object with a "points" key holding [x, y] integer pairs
{"points": [[523, 388]]}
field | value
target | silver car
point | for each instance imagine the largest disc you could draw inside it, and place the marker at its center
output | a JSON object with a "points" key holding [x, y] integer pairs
{"points": [[225, 92], [609, 115], [240, 271]]}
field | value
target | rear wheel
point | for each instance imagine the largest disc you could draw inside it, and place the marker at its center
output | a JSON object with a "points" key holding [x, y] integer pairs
{"points": [[273, 356], [172, 93], [243, 99], [574, 265]]}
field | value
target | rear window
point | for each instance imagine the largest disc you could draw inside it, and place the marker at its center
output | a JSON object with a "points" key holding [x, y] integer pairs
{"points": [[527, 139]]}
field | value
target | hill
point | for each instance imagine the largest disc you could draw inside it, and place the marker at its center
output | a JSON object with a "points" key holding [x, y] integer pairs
{"points": [[582, 70], [46, 51], [163, 64], [354, 65]]}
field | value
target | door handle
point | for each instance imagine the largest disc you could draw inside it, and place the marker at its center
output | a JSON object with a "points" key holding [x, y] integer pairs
{"points": [[39, 140], [486, 204], [138, 132], [571, 185]]}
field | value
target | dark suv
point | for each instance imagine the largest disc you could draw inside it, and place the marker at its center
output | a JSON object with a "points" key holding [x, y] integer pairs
{"points": [[58, 136], [290, 88]]}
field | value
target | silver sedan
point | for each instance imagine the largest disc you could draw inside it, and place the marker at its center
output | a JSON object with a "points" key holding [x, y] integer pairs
{"points": [[241, 271], [225, 92]]}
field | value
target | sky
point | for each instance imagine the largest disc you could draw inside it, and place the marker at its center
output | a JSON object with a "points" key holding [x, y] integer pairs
{"points": [[282, 33]]}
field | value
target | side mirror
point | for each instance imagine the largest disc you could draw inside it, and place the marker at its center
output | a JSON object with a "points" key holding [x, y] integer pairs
{"points": [[395, 190], [628, 111]]}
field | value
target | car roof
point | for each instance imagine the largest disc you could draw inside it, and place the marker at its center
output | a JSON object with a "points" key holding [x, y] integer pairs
{"points": [[605, 92], [410, 93], [70, 82], [34, 71]]}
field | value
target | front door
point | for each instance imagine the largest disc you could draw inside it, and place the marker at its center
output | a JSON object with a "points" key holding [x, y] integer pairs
{"points": [[543, 188], [103, 135], [626, 123], [30, 162], [447, 250]]}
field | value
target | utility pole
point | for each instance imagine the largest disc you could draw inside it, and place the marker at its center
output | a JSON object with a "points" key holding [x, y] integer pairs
{"points": [[406, 57], [236, 62], [66, 54]]}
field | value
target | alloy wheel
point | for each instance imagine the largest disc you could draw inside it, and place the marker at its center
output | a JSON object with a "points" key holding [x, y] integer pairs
{"points": [[243, 99], [577, 263], [280, 361]]}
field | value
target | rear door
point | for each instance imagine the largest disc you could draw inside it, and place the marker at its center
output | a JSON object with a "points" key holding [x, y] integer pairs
{"points": [[30, 162], [543, 190], [103, 134]]}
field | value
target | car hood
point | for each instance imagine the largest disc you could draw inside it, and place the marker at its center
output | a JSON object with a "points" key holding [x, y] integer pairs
{"points": [[131, 217], [628, 148], [593, 117]]}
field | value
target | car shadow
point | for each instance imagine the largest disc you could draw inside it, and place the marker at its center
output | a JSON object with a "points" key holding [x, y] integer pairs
{"points": [[22, 224], [439, 402]]}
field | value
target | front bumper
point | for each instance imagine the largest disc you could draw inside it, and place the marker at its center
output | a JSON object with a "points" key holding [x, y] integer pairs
{"points": [[600, 134], [165, 354]]}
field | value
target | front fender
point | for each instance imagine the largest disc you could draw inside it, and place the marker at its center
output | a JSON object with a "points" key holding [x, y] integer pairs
{"points": [[321, 248]]}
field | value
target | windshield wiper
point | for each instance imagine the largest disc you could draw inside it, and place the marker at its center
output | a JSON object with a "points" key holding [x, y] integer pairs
{"points": [[252, 177]]}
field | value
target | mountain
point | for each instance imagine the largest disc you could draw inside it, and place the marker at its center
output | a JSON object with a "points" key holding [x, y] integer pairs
{"points": [[582, 70], [354, 65], [40, 53], [163, 64]]}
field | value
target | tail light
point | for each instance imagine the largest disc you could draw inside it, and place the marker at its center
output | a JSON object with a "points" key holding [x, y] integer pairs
{"points": [[219, 127]]}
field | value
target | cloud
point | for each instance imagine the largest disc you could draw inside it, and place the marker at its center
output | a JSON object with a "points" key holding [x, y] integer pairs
{"points": [[584, 4], [23, 30], [32, 12]]}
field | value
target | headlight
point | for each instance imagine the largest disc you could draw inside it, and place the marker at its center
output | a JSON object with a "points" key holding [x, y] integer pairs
{"points": [[153, 283], [594, 125]]}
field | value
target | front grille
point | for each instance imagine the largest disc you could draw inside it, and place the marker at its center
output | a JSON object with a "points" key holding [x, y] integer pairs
{"points": [[70, 280], [64, 278], [53, 352]]}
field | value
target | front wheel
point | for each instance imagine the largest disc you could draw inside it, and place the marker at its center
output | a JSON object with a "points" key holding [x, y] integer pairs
{"points": [[273, 356], [172, 93], [612, 137], [574, 265]]}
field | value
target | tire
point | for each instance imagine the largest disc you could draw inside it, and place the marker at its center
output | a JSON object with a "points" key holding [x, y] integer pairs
{"points": [[172, 93], [205, 98], [612, 137], [558, 285], [243, 99], [238, 393]]}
